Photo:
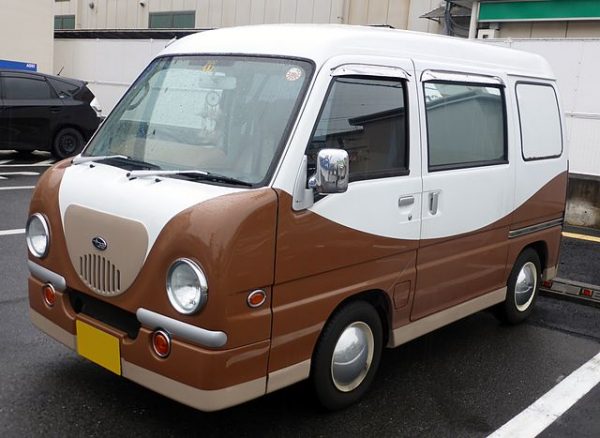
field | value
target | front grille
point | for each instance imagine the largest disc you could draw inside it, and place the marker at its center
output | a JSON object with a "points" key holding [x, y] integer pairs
{"points": [[100, 274], [104, 312]]}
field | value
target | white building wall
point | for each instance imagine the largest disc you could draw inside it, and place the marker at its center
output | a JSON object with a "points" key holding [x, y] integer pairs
{"points": [[111, 65], [576, 64], [108, 65], [26, 32], [130, 14]]}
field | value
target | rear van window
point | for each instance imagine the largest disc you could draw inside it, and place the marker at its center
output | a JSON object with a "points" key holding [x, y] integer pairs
{"points": [[539, 117]]}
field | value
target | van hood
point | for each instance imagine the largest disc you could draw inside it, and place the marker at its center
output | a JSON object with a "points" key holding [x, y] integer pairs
{"points": [[111, 222]]}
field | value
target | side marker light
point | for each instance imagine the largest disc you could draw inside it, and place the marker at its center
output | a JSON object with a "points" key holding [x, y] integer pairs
{"points": [[256, 298], [49, 294], [161, 343]]}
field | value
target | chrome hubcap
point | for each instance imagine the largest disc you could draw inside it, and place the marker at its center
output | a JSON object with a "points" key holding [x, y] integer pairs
{"points": [[352, 356], [525, 286]]}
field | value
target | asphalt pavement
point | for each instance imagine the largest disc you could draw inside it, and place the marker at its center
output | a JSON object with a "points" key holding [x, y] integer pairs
{"points": [[465, 380]]}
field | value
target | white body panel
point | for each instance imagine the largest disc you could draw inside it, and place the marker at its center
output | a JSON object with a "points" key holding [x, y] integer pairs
{"points": [[106, 188], [370, 206], [469, 199], [531, 176], [322, 42]]}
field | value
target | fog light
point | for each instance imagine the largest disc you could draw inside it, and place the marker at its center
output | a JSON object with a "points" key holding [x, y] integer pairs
{"points": [[257, 298], [161, 343], [49, 294]]}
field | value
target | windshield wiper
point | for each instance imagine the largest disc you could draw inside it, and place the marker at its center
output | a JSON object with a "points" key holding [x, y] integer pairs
{"points": [[198, 175], [80, 159], [119, 158]]}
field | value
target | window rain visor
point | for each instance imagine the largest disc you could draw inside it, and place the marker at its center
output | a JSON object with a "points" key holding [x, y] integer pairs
{"points": [[227, 115]]}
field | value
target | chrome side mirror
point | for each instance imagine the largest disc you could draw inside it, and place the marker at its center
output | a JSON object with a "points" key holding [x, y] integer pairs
{"points": [[332, 172]]}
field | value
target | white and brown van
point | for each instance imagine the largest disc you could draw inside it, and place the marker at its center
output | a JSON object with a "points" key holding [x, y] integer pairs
{"points": [[273, 203]]}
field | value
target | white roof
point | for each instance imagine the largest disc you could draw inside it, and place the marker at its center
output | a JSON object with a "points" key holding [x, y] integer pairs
{"points": [[320, 42]]}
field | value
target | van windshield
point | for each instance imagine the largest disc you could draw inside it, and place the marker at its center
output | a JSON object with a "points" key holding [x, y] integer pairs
{"points": [[228, 115]]}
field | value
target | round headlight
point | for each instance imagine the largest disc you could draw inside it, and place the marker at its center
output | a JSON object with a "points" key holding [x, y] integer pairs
{"points": [[187, 287], [38, 235]]}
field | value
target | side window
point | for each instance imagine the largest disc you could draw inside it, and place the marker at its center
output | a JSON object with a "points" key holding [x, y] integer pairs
{"points": [[465, 125], [26, 89], [541, 135], [64, 88], [366, 116]]}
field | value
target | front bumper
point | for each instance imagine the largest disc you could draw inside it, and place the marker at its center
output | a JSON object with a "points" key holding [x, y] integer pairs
{"points": [[199, 377]]}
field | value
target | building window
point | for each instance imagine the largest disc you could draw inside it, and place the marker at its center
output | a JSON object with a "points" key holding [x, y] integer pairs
{"points": [[64, 22], [173, 20], [465, 125], [365, 116]]}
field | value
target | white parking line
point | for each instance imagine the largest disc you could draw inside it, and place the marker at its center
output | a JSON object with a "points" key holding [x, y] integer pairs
{"points": [[19, 173], [46, 163], [547, 409], [18, 188], [12, 232]]}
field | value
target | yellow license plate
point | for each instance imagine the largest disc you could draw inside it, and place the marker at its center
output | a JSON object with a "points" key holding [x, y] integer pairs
{"points": [[98, 346]]}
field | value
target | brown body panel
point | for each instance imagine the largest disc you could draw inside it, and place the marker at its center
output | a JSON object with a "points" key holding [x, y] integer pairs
{"points": [[478, 262], [547, 204], [195, 366], [319, 264], [314, 264], [457, 270], [231, 237]]}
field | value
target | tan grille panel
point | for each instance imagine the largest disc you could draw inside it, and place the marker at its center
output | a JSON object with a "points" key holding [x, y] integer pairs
{"points": [[100, 274], [111, 271]]}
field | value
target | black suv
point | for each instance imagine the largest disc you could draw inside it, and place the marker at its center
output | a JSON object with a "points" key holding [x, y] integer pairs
{"points": [[44, 112]]}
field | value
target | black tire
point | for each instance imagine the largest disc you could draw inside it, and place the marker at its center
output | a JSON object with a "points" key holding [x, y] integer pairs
{"points": [[359, 315], [518, 306], [67, 142]]}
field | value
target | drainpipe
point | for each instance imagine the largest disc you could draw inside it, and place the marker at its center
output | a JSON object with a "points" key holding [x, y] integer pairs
{"points": [[474, 20]]}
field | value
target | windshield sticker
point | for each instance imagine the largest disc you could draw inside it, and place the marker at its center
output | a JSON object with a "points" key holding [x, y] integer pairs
{"points": [[293, 74], [209, 67]]}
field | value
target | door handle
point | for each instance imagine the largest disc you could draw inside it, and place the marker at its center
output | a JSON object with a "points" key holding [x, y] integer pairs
{"points": [[405, 201], [55, 109], [433, 202]]}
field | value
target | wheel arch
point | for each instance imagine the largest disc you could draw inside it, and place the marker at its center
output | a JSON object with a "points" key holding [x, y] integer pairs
{"points": [[541, 248], [380, 300]]}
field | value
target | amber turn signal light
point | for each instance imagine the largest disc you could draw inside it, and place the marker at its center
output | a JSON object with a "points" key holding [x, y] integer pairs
{"points": [[161, 343], [257, 298], [49, 294]]}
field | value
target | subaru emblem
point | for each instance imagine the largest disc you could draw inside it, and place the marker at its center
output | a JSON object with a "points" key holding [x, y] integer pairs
{"points": [[99, 243]]}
